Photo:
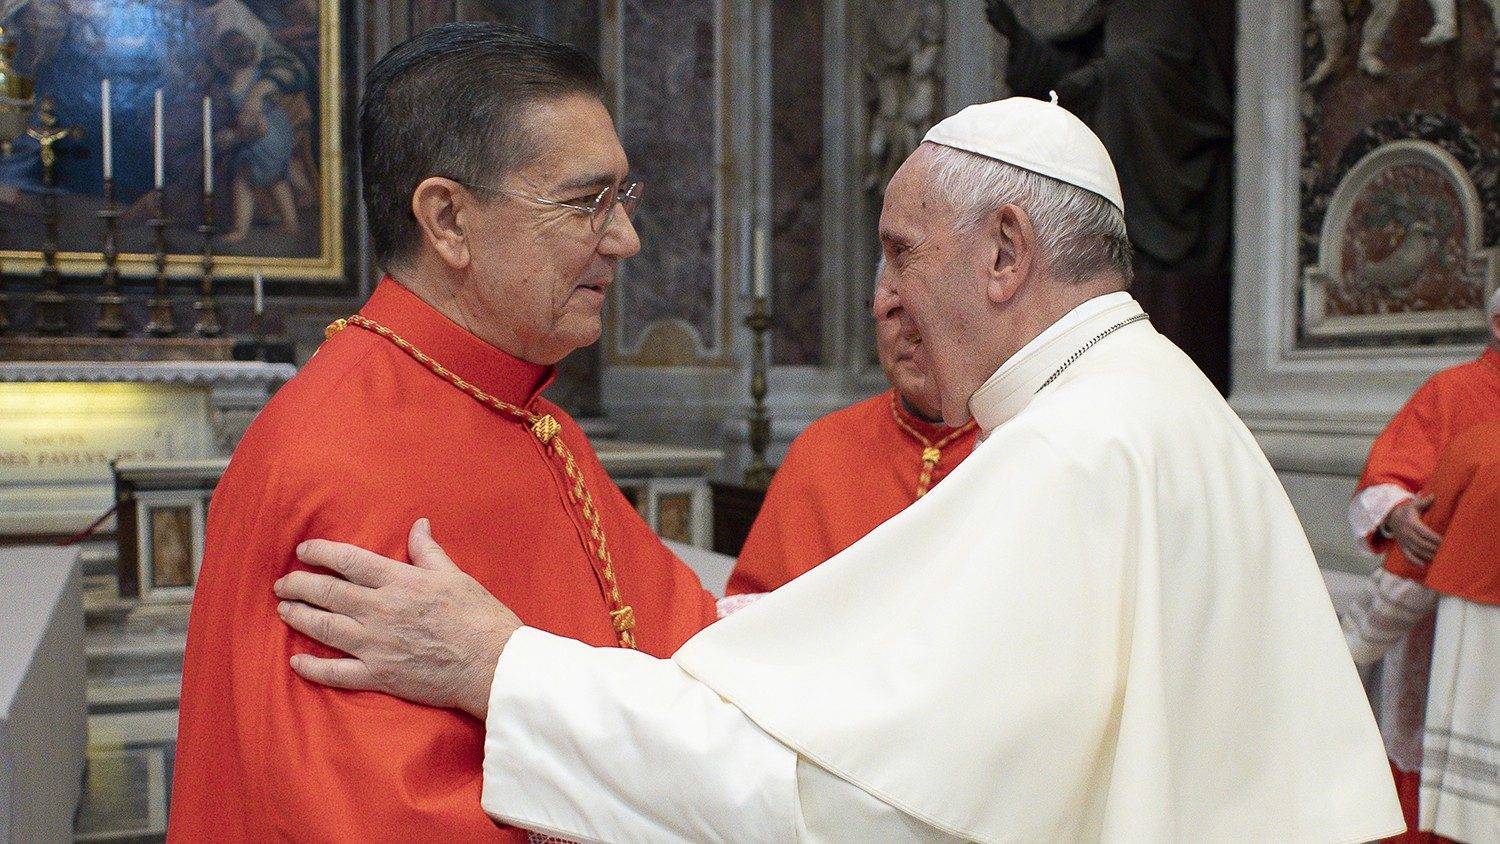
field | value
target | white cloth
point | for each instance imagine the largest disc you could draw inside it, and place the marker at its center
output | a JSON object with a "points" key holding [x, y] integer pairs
{"points": [[1041, 137], [1386, 611], [1460, 797], [1370, 507], [603, 744], [1390, 621], [1105, 624]]}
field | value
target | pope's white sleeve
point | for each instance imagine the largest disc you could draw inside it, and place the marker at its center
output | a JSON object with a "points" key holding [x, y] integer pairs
{"points": [[607, 744]]}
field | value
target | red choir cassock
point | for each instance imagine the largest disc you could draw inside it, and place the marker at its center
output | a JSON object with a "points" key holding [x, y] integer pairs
{"points": [[1407, 450], [842, 477], [362, 442], [1401, 463], [1465, 510]]}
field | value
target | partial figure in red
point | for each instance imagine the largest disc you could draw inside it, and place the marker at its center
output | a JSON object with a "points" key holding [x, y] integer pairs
{"points": [[854, 468], [499, 207], [1456, 795], [1390, 515]]}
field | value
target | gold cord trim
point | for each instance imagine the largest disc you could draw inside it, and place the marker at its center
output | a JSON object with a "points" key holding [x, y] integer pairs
{"points": [[546, 429], [932, 452]]}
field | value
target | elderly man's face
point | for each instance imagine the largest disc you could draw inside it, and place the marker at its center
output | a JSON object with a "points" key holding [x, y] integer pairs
{"points": [[937, 279], [896, 344], [539, 273]]}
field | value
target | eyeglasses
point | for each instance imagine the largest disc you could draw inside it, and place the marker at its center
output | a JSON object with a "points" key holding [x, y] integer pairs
{"points": [[600, 209]]}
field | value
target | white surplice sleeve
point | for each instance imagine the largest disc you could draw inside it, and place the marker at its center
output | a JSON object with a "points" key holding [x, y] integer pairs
{"points": [[605, 744]]}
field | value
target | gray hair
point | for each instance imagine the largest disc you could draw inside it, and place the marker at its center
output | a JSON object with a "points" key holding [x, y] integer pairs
{"points": [[1080, 232], [1495, 304]]}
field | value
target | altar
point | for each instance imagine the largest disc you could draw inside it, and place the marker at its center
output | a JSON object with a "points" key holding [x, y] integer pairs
{"points": [[62, 425]]}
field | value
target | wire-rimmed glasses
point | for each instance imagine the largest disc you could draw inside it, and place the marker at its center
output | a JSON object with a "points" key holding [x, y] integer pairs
{"points": [[600, 209]]}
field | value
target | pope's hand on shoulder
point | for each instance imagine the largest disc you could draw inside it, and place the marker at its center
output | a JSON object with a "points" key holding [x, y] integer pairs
{"points": [[426, 632]]}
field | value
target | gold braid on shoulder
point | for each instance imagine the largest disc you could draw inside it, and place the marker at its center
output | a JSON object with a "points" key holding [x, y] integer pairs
{"points": [[545, 428]]}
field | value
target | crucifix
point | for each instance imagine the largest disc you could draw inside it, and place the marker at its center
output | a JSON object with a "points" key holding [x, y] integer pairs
{"points": [[51, 305]]}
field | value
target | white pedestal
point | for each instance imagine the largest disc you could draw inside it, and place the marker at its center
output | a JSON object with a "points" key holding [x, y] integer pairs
{"points": [[43, 719]]}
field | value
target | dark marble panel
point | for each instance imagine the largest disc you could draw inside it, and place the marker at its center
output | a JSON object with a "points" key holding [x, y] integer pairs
{"points": [[666, 121], [573, 22], [797, 180]]}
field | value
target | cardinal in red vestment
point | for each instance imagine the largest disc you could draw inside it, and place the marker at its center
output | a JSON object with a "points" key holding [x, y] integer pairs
{"points": [[1459, 727], [854, 468], [428, 404], [1387, 513]]}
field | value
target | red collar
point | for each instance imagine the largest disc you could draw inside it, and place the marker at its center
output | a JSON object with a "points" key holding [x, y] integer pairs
{"points": [[928, 432], [502, 375]]}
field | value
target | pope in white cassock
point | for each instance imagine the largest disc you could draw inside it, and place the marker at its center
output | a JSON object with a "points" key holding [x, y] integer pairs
{"points": [[1106, 624]]}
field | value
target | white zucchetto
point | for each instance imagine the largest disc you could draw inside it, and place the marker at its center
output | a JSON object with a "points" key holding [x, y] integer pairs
{"points": [[1038, 136]]}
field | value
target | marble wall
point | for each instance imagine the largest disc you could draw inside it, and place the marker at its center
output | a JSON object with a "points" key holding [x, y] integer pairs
{"points": [[797, 181], [670, 307], [1314, 409]]}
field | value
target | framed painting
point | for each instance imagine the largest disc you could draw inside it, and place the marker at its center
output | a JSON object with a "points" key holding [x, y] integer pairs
{"points": [[169, 537], [271, 73]]}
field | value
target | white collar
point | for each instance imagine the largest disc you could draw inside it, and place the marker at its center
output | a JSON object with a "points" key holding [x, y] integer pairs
{"points": [[1011, 388]]}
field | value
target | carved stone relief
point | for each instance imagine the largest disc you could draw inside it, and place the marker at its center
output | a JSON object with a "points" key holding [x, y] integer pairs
{"points": [[1406, 261], [904, 70]]}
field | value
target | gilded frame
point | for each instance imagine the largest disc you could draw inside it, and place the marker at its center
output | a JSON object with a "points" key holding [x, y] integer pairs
{"points": [[329, 267]]}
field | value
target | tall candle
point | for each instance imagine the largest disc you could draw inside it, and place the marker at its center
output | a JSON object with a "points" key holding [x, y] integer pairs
{"points": [[108, 134], [260, 294], [208, 145], [762, 264], [158, 143]]}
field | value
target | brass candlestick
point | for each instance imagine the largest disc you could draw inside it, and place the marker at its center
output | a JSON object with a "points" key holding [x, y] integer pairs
{"points": [[111, 304], [160, 305], [51, 305], [759, 473], [208, 324], [16, 102], [4, 300]]}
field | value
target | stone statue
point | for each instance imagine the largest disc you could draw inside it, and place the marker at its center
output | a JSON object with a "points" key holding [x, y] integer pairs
{"points": [[1333, 29], [905, 71], [1148, 80]]}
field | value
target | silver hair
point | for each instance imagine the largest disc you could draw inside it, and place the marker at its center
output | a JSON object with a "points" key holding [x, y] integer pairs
{"points": [[1495, 304], [1080, 232]]}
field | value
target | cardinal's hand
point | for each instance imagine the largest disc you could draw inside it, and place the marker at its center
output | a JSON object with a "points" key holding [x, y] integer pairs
{"points": [[1404, 524], [425, 632]]}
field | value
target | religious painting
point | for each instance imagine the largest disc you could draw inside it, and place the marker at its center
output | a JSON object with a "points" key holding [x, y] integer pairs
{"points": [[223, 111], [674, 516], [1400, 251], [1400, 187], [170, 543]]}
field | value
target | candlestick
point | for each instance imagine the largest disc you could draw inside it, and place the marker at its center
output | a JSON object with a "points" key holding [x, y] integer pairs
{"points": [[4, 300], [208, 324], [51, 305], [107, 135], [111, 322], [158, 143], [208, 146], [762, 264], [759, 473], [162, 324]]}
